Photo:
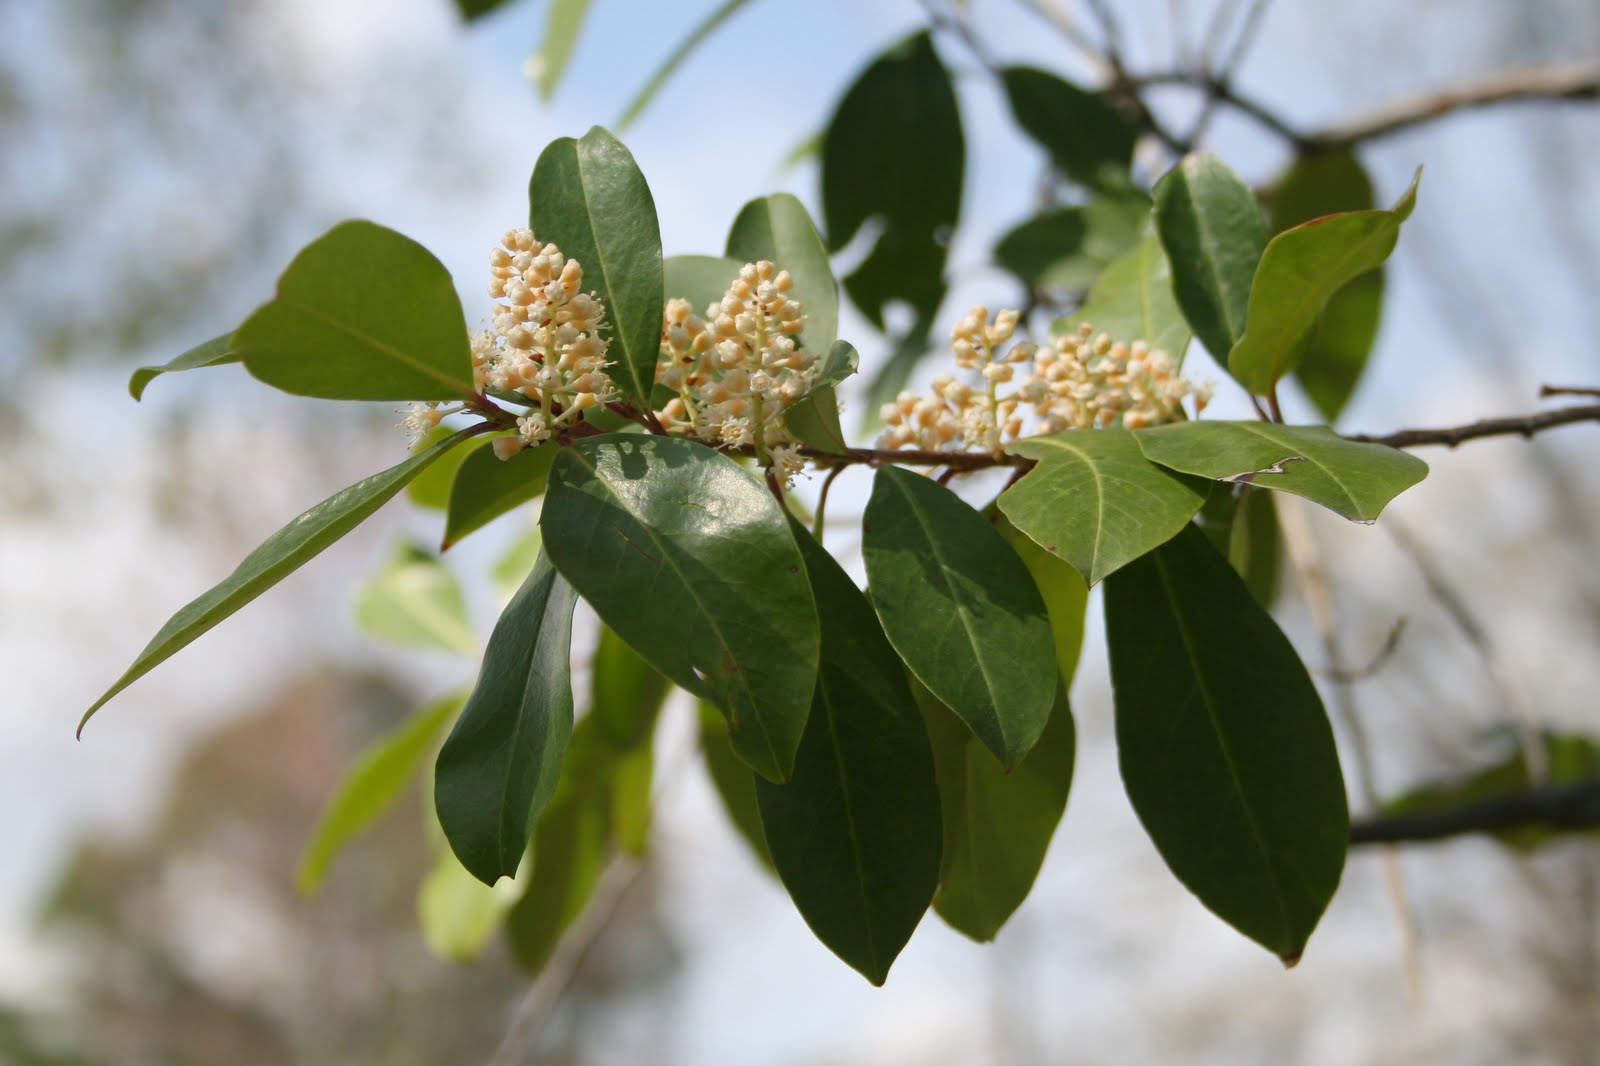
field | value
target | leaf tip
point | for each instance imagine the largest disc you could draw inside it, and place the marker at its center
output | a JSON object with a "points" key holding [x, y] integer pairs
{"points": [[1290, 960]]}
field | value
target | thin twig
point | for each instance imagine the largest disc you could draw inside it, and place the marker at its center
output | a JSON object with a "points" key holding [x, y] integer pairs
{"points": [[1566, 81], [1450, 436], [822, 500], [1061, 20], [1228, 69], [1385, 652], [1567, 390], [1568, 806]]}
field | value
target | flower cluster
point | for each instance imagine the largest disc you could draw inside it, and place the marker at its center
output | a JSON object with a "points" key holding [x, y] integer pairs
{"points": [[1082, 380], [740, 368], [545, 345]]}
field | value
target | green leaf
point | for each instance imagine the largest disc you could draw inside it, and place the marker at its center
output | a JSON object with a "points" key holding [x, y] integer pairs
{"points": [[278, 556], [1299, 273], [1069, 247], [779, 229], [814, 418], [707, 26], [961, 609], [214, 352], [1066, 597], [431, 488], [1088, 139], [371, 786], [1255, 544], [1225, 750], [997, 823], [499, 766], [415, 602], [733, 781], [457, 912], [894, 152], [689, 558], [700, 279], [855, 833], [625, 702], [590, 198], [1133, 300], [1211, 228], [1357, 480], [473, 9], [1095, 501], [1336, 352], [362, 313], [487, 486], [562, 24], [571, 845]]}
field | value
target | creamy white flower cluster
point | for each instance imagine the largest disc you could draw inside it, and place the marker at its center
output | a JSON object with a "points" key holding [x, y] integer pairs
{"points": [[545, 344], [1082, 380], [740, 368]]}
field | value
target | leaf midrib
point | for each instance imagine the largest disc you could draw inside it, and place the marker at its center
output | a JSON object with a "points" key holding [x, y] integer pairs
{"points": [[381, 346]]}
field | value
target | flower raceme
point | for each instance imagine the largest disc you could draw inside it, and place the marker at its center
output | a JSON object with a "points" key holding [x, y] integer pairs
{"points": [[1082, 380]]}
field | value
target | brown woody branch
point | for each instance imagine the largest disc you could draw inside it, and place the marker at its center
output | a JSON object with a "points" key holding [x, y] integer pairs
{"points": [[1564, 807], [1450, 436]]}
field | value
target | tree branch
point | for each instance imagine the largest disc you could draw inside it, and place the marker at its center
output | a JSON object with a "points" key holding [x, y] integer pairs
{"points": [[1573, 806], [1450, 436]]}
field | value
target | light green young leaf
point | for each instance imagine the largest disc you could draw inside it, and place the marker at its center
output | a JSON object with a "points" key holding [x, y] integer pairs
{"points": [[1224, 747], [814, 418], [377, 780], [700, 279], [1133, 300], [487, 486], [362, 313], [1211, 228], [589, 197], [997, 823], [689, 558], [733, 780], [1354, 479], [1069, 247], [1300, 272], [1065, 595], [415, 602], [512, 568], [431, 488], [279, 556], [562, 23], [457, 912], [961, 609], [1096, 501], [500, 764], [214, 352], [855, 833]]}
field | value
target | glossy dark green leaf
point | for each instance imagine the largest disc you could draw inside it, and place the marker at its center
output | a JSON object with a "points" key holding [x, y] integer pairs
{"points": [[894, 152], [961, 609], [697, 36], [1357, 480], [362, 313], [500, 764], [278, 556], [1066, 597], [733, 780], [590, 199], [1094, 500], [1300, 272], [431, 488], [214, 352], [855, 833], [1336, 352], [1211, 228], [700, 279], [562, 23], [689, 558], [487, 486], [473, 9], [415, 602], [1088, 139], [997, 823], [571, 845], [1225, 750], [371, 786], [779, 229], [1069, 247], [1133, 301]]}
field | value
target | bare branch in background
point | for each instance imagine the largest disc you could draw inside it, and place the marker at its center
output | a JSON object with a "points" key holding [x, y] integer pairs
{"points": [[1450, 436], [1574, 806]]}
